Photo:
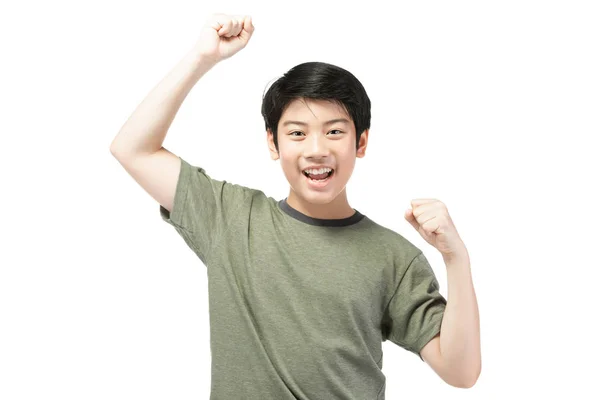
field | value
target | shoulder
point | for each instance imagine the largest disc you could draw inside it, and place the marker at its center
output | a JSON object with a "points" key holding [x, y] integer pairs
{"points": [[394, 240]]}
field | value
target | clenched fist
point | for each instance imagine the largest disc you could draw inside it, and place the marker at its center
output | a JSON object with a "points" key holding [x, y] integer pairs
{"points": [[224, 35]]}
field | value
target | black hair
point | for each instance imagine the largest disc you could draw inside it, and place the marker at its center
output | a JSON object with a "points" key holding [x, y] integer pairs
{"points": [[317, 80]]}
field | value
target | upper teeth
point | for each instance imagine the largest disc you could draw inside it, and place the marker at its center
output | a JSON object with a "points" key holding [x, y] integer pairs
{"points": [[317, 171]]}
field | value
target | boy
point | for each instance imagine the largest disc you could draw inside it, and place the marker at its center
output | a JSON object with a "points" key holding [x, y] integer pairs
{"points": [[303, 291]]}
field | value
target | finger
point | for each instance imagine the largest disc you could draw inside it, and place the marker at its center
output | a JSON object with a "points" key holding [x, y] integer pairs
{"points": [[418, 202], [423, 208], [231, 29], [225, 27], [427, 216], [235, 28], [217, 21], [247, 28], [239, 27], [248, 25], [408, 215], [431, 226]]}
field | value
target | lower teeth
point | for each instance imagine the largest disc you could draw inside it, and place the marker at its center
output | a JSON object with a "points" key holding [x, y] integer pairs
{"points": [[319, 180]]}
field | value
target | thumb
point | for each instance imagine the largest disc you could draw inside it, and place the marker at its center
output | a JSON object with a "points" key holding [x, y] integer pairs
{"points": [[408, 215], [247, 29]]}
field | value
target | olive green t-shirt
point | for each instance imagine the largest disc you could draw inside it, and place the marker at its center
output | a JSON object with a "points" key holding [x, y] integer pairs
{"points": [[299, 306]]}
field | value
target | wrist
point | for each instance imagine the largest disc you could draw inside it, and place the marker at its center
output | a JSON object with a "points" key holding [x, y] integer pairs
{"points": [[201, 58], [459, 256]]}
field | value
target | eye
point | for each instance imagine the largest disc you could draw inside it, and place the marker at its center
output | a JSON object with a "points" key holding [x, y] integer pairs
{"points": [[334, 130]]}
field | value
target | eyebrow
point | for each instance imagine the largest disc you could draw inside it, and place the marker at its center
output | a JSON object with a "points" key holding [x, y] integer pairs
{"points": [[332, 121]]}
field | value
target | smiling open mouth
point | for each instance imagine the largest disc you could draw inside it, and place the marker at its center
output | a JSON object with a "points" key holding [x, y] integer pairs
{"points": [[319, 178]]}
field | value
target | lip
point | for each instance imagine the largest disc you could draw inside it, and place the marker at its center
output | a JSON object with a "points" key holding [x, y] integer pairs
{"points": [[316, 167], [318, 185]]}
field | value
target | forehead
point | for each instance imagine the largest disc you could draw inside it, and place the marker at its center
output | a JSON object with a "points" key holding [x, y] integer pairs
{"points": [[313, 111]]}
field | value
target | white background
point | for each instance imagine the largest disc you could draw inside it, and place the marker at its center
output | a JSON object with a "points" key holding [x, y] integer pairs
{"points": [[491, 107]]}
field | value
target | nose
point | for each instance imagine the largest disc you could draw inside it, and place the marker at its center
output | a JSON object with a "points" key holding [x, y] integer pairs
{"points": [[316, 146]]}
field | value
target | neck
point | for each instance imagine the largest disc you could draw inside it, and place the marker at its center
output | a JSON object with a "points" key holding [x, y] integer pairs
{"points": [[336, 209]]}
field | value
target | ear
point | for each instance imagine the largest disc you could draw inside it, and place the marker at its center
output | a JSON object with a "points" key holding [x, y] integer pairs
{"points": [[272, 150], [362, 144]]}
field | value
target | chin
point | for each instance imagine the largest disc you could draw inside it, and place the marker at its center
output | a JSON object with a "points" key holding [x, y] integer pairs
{"points": [[316, 197], [319, 199]]}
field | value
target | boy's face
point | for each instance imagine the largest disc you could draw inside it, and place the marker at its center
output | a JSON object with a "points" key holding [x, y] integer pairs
{"points": [[310, 141]]}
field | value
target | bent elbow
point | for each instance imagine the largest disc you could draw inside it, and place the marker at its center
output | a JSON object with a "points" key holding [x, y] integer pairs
{"points": [[468, 383]]}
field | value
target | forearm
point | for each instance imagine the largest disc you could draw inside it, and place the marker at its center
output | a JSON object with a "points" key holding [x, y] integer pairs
{"points": [[460, 339], [146, 128]]}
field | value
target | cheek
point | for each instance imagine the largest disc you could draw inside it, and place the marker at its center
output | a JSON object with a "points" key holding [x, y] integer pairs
{"points": [[347, 166], [289, 166]]}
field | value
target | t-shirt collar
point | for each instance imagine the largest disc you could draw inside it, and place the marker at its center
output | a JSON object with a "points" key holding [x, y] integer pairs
{"points": [[292, 212]]}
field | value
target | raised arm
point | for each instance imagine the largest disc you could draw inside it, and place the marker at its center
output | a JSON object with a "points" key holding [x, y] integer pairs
{"points": [[138, 145]]}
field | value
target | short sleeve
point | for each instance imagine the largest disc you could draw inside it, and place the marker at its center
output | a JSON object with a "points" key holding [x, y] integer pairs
{"points": [[202, 208], [414, 314]]}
